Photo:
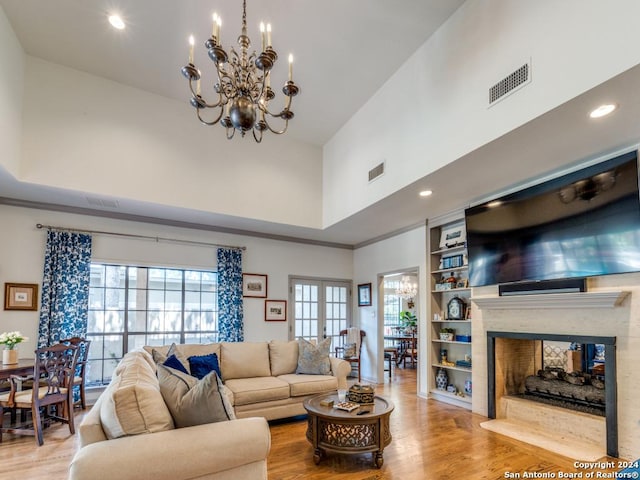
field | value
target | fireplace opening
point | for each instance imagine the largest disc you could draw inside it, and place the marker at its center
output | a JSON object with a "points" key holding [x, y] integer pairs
{"points": [[575, 372], [572, 376]]}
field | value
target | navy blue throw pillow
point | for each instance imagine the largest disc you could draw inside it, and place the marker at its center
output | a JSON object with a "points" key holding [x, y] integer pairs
{"points": [[201, 365], [173, 362]]}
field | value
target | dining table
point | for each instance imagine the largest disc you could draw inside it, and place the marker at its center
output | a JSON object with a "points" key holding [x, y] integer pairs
{"points": [[404, 344], [22, 368]]}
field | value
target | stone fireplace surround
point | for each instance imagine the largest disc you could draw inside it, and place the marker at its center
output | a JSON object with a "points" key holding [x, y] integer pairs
{"points": [[525, 351], [609, 308]]}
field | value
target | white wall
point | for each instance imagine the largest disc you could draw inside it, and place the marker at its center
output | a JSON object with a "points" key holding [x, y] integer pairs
{"points": [[89, 134], [435, 109], [406, 251], [22, 256], [11, 78]]}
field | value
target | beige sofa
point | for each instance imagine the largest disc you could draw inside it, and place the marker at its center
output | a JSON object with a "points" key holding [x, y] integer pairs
{"points": [[129, 433]]}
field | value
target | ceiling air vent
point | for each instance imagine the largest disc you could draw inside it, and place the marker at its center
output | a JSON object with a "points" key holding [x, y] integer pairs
{"points": [[102, 202], [376, 171], [510, 83]]}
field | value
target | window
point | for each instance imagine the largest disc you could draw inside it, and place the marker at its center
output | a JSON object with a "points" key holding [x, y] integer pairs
{"points": [[130, 307], [392, 305]]}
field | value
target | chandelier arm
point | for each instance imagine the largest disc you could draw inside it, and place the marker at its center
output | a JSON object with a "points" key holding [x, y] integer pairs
{"points": [[277, 132], [204, 103], [286, 108], [256, 138], [212, 122], [233, 132]]}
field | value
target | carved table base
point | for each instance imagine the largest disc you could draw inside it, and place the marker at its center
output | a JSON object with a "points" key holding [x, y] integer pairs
{"points": [[329, 429]]}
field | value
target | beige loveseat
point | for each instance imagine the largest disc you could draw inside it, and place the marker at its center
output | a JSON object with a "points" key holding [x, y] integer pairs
{"points": [[129, 432]]}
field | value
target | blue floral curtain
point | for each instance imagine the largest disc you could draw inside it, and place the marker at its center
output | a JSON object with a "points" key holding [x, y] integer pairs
{"points": [[65, 287], [230, 315]]}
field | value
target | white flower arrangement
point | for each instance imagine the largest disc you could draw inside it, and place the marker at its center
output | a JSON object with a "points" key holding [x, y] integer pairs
{"points": [[11, 339]]}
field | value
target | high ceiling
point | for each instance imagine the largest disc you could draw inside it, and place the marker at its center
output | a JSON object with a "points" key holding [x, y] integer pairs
{"points": [[336, 44]]}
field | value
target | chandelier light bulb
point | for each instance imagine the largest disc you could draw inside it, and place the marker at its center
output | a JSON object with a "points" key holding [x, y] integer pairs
{"points": [[192, 42]]}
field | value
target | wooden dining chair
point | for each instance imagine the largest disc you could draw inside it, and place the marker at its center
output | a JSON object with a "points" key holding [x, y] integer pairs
{"points": [[352, 357], [81, 366], [411, 351], [53, 374]]}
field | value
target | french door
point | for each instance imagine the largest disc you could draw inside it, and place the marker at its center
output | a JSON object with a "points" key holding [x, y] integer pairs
{"points": [[321, 308]]}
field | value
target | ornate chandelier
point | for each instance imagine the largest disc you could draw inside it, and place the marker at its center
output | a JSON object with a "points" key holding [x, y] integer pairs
{"points": [[243, 84], [406, 289]]}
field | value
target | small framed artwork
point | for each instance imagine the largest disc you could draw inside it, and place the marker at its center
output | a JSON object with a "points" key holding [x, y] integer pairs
{"points": [[20, 296], [275, 310], [364, 295], [254, 285]]}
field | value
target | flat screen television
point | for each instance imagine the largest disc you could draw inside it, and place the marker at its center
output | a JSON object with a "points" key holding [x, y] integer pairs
{"points": [[582, 224]]}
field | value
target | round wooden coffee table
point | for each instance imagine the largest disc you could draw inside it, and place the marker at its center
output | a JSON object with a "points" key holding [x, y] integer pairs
{"points": [[365, 429]]}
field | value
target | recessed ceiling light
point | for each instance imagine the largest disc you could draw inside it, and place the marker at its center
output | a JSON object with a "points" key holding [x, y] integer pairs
{"points": [[116, 22], [603, 110], [425, 193]]}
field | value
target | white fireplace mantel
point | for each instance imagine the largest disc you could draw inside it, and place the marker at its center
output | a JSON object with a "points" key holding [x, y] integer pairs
{"points": [[552, 300]]}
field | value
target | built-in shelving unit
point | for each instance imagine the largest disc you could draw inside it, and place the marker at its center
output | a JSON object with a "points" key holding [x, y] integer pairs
{"points": [[447, 262]]}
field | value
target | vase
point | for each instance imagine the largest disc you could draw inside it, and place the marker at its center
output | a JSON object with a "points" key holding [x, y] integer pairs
{"points": [[10, 357], [442, 379]]}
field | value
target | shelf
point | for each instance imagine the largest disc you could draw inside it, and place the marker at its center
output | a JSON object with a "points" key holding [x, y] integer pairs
{"points": [[552, 300], [452, 396], [444, 251], [454, 269], [466, 289], [450, 321], [451, 341], [446, 367]]}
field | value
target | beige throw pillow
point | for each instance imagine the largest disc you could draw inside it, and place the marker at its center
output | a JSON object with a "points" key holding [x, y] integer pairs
{"points": [[314, 359], [192, 401]]}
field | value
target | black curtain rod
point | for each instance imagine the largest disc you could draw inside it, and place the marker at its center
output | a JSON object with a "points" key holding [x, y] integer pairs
{"points": [[145, 237]]}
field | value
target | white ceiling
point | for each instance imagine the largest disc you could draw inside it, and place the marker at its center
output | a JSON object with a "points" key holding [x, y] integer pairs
{"points": [[337, 45]]}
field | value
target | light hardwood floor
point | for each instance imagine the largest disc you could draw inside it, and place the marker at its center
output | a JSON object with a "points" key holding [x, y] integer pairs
{"points": [[431, 441]]}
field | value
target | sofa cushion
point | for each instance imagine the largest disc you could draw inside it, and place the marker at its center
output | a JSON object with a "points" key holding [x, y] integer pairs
{"points": [[301, 385], [314, 359], [283, 357], [258, 389], [244, 360], [132, 403], [201, 365], [192, 401], [198, 349]]}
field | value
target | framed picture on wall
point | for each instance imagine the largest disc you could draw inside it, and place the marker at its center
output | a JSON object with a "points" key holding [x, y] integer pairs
{"points": [[254, 285], [20, 296], [275, 310], [364, 295]]}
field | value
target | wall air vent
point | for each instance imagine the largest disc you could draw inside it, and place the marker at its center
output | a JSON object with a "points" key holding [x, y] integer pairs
{"points": [[102, 202], [510, 83], [376, 171]]}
